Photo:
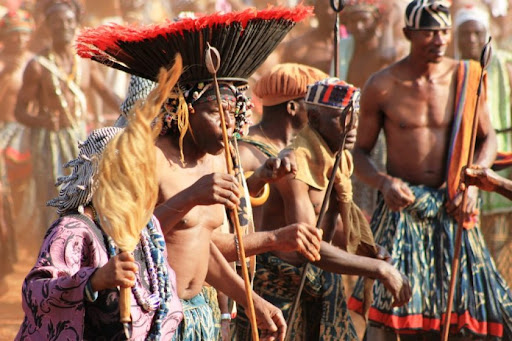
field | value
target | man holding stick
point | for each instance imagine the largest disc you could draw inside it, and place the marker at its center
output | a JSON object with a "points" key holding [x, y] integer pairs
{"points": [[194, 187], [278, 273], [413, 101]]}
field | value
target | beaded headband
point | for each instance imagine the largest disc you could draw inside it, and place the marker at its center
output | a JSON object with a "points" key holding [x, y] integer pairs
{"points": [[16, 21]]}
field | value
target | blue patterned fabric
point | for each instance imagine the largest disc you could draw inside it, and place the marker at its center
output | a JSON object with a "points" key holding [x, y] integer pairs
{"points": [[420, 239], [197, 324], [322, 314]]}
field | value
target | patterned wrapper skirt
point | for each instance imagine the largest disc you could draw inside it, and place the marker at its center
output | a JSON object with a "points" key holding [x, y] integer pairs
{"points": [[420, 239], [322, 314], [198, 322]]}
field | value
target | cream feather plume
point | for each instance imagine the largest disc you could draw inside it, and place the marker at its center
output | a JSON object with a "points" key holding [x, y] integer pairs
{"points": [[127, 186]]}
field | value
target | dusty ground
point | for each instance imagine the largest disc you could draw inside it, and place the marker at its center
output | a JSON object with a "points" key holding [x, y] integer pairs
{"points": [[11, 313]]}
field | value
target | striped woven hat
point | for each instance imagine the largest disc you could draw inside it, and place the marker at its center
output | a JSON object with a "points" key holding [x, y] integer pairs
{"points": [[333, 93], [428, 15], [138, 89], [78, 187]]}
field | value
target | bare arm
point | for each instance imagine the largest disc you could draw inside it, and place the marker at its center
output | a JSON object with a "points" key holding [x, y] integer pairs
{"points": [[371, 121], [299, 207], [30, 90], [486, 179], [224, 278], [295, 237]]}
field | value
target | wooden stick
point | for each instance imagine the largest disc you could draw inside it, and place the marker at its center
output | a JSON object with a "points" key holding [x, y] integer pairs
{"points": [[212, 68], [330, 233], [484, 62]]}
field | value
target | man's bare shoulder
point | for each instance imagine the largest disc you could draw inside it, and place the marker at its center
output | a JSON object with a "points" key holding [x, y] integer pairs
{"points": [[250, 156]]}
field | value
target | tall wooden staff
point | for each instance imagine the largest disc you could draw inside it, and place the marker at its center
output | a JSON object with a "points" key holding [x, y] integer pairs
{"points": [[484, 62], [212, 64], [337, 6]]}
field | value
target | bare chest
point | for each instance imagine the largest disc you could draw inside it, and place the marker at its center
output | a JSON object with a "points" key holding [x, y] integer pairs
{"points": [[411, 106]]}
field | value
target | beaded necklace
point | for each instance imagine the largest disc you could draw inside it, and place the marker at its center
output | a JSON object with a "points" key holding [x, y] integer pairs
{"points": [[153, 246], [74, 76]]}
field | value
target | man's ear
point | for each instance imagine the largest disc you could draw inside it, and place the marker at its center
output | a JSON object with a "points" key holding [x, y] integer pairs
{"points": [[407, 33], [291, 107]]}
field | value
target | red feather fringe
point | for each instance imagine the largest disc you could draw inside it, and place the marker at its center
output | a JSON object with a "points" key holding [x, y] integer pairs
{"points": [[93, 41]]}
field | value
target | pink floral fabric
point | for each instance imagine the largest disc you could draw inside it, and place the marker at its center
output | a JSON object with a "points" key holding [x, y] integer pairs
{"points": [[53, 296]]}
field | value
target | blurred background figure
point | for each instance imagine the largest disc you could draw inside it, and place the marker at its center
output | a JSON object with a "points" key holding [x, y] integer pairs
{"points": [[53, 104], [315, 46], [15, 165], [472, 29]]}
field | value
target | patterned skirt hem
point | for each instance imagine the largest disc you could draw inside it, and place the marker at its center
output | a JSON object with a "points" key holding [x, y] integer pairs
{"points": [[462, 324]]}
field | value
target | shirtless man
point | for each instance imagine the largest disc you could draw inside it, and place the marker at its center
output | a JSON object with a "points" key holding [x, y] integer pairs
{"points": [[313, 48], [472, 27], [412, 101], [278, 273], [53, 87], [193, 207], [15, 30], [282, 92]]}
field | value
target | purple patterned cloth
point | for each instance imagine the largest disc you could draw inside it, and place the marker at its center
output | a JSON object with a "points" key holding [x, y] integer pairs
{"points": [[53, 292]]}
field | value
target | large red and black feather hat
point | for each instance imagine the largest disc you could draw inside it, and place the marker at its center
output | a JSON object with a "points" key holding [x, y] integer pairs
{"points": [[244, 40]]}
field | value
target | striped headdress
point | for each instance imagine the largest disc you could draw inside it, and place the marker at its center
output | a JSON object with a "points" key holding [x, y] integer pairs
{"points": [[428, 15], [78, 187], [333, 93]]}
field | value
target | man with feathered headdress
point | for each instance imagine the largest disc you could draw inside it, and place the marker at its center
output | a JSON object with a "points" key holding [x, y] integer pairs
{"points": [[426, 104], [195, 188]]}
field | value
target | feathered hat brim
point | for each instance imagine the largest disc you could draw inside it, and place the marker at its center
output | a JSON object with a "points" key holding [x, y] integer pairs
{"points": [[243, 39]]}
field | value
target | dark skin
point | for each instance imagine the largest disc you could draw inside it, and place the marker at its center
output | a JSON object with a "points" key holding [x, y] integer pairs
{"points": [[38, 89], [472, 36], [12, 62], [369, 53], [327, 123], [278, 126], [191, 209], [416, 118], [314, 47], [487, 180]]}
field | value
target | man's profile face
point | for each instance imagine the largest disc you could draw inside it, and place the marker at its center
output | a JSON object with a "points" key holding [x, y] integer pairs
{"points": [[206, 124], [62, 24], [361, 24], [429, 45], [471, 39], [330, 126]]}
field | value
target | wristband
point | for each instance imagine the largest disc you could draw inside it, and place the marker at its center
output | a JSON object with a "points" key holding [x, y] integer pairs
{"points": [[225, 317], [90, 294]]}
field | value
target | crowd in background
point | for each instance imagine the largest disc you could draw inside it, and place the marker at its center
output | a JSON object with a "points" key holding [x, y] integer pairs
{"points": [[370, 41]]}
